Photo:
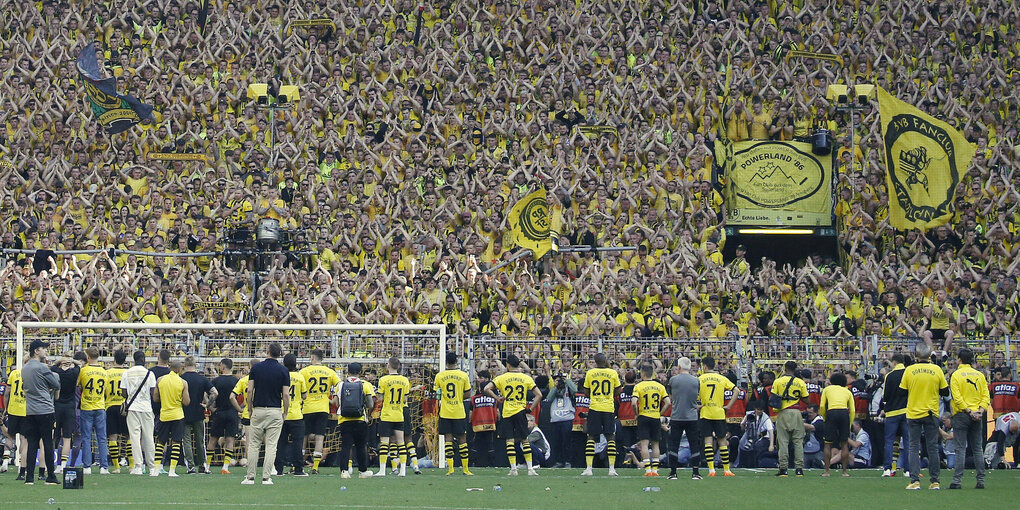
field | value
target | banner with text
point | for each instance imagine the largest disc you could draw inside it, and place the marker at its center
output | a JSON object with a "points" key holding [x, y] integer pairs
{"points": [[773, 183]]}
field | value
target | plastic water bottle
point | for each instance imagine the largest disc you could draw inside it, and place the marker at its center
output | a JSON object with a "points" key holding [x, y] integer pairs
{"points": [[51, 501], [651, 489], [343, 488], [497, 487]]}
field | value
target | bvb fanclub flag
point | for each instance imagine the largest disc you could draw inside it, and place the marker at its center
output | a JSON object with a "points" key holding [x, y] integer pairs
{"points": [[530, 223], [116, 112], [924, 158]]}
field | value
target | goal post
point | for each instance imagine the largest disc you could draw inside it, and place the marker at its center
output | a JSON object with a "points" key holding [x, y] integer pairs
{"points": [[420, 347]]}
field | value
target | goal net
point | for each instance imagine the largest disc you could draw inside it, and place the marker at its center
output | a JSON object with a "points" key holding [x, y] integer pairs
{"points": [[420, 348]]}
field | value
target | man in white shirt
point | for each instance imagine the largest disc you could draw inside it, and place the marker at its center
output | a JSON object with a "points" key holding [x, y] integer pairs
{"points": [[136, 384], [860, 442]]}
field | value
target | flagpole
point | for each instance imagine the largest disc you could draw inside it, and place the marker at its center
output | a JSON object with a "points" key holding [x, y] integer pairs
{"points": [[519, 255]]}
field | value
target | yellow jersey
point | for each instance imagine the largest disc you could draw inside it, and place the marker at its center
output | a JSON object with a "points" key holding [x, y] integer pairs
{"points": [[319, 379], [712, 394], [452, 386], [514, 388], [114, 397], [650, 395], [171, 397], [241, 388], [92, 381], [923, 382], [797, 390], [836, 397], [393, 390], [297, 389], [16, 405], [601, 384], [969, 389]]}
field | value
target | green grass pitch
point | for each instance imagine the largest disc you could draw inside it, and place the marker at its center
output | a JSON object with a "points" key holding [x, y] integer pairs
{"points": [[567, 490]]}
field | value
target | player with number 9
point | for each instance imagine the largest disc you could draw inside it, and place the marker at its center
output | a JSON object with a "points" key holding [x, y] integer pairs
{"points": [[452, 386]]}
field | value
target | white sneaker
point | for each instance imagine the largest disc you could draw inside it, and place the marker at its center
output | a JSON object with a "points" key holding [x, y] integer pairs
{"points": [[136, 471], [887, 473], [402, 473], [513, 472], [87, 471], [123, 462], [532, 472], [345, 474], [248, 481], [382, 472], [104, 471], [612, 472], [59, 468], [267, 481], [5, 465], [586, 472], [154, 473], [273, 472], [173, 474], [366, 474]]}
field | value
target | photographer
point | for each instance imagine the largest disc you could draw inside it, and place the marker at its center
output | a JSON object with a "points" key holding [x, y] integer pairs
{"points": [[758, 443], [814, 438], [560, 402]]}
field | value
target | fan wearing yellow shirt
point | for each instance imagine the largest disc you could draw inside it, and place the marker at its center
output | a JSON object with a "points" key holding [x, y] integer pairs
{"points": [[393, 390], [649, 399], [836, 407], [925, 383], [116, 424], [452, 385], [292, 436], [602, 385], [92, 381], [970, 399], [172, 395], [513, 387], [712, 422], [319, 379]]}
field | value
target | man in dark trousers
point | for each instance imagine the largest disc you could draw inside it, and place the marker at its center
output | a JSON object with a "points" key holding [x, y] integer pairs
{"points": [[894, 412], [268, 401], [201, 391], [66, 403], [683, 393], [40, 386], [224, 420], [352, 395]]}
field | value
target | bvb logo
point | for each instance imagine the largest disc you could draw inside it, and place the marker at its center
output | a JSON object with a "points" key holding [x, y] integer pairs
{"points": [[101, 98], [535, 220], [917, 154]]}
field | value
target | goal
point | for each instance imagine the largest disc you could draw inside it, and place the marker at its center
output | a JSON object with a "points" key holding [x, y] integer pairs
{"points": [[420, 347]]}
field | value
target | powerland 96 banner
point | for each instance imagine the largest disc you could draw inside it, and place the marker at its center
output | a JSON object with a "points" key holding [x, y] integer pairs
{"points": [[116, 112], [778, 183]]}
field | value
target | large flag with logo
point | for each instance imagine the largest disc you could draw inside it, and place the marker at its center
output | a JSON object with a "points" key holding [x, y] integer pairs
{"points": [[116, 112], [777, 183], [924, 159], [530, 223]]}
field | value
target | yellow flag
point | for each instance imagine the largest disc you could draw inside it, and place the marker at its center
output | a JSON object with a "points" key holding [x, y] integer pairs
{"points": [[530, 223], [925, 159]]}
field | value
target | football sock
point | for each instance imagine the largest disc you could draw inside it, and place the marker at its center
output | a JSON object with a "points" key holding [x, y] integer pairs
{"points": [[895, 453], [384, 449], [450, 459], [228, 455], [724, 456], [526, 448], [648, 465], [316, 459], [710, 457], [611, 452], [511, 455], [655, 466], [127, 451], [114, 454], [208, 458], [464, 455], [63, 460], [175, 455], [412, 453], [589, 453], [159, 454], [402, 449]]}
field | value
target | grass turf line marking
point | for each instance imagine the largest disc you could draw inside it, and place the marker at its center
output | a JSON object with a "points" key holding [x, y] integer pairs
{"points": [[274, 505]]}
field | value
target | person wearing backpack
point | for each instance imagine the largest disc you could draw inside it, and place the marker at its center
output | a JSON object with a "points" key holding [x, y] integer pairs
{"points": [[560, 403], [353, 396]]}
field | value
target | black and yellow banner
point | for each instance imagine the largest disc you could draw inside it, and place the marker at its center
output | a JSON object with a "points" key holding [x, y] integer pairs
{"points": [[176, 156], [530, 223], [217, 305], [778, 183], [924, 159], [116, 112]]}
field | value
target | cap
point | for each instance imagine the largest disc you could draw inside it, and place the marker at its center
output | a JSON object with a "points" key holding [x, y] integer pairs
{"points": [[742, 247], [37, 344]]}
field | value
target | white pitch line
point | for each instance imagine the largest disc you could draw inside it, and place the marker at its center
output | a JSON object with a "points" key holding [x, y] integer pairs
{"points": [[253, 504]]}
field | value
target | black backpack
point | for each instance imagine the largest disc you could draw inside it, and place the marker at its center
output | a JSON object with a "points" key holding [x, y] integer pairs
{"points": [[352, 399]]}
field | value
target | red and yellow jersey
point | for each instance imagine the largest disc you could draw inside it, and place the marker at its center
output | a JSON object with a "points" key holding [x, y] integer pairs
{"points": [[735, 414], [483, 413], [581, 403], [1005, 397], [625, 409]]}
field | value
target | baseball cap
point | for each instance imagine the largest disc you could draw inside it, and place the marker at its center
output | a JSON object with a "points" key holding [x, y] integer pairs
{"points": [[37, 344]]}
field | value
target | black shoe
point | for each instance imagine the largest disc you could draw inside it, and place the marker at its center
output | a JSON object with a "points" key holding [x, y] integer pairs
{"points": [[955, 486], [300, 473], [695, 476], [980, 485], [52, 480], [782, 472], [42, 472], [29, 481], [799, 472], [21, 476], [672, 476], [192, 471]]}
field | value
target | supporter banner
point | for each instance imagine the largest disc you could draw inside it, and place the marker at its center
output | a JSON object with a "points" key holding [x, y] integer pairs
{"points": [[116, 112], [811, 54], [176, 156], [210, 305], [600, 129], [316, 22], [778, 183], [924, 159], [530, 223]]}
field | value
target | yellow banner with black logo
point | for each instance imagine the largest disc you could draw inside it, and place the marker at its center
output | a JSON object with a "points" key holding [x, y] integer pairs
{"points": [[778, 183], [530, 223], [925, 159]]}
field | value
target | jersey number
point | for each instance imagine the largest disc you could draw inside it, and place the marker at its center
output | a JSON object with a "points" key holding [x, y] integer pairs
{"points": [[514, 392], [101, 383], [451, 391], [320, 385], [655, 401], [711, 393], [396, 395], [602, 388], [292, 394], [17, 388]]}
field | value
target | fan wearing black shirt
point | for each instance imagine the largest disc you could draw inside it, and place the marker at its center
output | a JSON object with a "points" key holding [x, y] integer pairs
{"points": [[223, 418], [65, 404], [201, 391]]}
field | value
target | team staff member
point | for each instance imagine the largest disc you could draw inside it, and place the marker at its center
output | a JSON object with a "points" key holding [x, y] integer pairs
{"points": [[116, 424], [393, 390], [602, 385], [513, 387], [789, 423], [200, 392], [319, 380], [712, 423], [649, 400], [353, 396], [65, 406], [92, 381], [292, 436], [268, 401], [484, 416], [970, 399], [683, 417], [894, 409], [137, 384], [1005, 394], [40, 385], [223, 418], [452, 385], [172, 395], [836, 407], [925, 383]]}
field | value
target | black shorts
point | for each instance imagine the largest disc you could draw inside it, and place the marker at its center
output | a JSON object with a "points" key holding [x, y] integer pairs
{"points": [[457, 426], [648, 428], [315, 423], [115, 423], [837, 427], [513, 427], [14, 424], [65, 420], [171, 431], [224, 423], [712, 428], [386, 428], [938, 334], [601, 422]]}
